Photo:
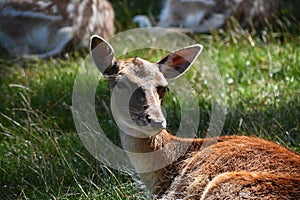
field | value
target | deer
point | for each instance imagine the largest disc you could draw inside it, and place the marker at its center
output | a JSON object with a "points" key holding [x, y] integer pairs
{"points": [[203, 16], [225, 167], [43, 29]]}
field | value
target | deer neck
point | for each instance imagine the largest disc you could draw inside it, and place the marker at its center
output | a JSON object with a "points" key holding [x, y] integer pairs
{"points": [[169, 148], [154, 178]]}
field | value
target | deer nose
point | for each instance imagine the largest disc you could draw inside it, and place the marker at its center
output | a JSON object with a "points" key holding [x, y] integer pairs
{"points": [[156, 123]]}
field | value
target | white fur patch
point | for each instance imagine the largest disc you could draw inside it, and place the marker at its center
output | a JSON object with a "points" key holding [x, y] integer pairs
{"points": [[43, 4]]}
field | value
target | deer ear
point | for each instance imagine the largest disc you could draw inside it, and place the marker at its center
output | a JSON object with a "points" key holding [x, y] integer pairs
{"points": [[103, 56], [179, 61]]}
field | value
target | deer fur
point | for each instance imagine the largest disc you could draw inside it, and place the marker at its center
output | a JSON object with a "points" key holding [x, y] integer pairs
{"points": [[226, 167], [203, 16], [42, 28]]}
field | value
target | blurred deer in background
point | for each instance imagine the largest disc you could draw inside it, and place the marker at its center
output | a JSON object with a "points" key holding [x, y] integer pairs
{"points": [[226, 167], [203, 16], [45, 28]]}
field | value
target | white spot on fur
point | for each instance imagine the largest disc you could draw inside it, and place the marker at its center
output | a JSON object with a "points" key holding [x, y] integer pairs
{"points": [[54, 9], [43, 4], [70, 8]]}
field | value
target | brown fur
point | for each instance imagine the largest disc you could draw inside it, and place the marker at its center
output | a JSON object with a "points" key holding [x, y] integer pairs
{"points": [[222, 157], [248, 185]]}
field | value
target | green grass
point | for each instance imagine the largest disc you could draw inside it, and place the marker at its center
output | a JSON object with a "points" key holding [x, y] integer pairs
{"points": [[42, 157]]}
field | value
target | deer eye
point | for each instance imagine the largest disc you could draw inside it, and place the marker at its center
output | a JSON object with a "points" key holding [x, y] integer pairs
{"points": [[161, 90]]}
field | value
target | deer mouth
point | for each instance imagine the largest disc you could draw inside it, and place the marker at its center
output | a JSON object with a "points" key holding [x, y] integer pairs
{"points": [[155, 120], [146, 120]]}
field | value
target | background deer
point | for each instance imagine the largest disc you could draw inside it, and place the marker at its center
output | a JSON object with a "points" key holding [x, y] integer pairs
{"points": [[227, 167], [45, 28], [203, 16]]}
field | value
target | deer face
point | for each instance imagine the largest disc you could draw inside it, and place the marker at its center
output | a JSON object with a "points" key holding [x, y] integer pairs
{"points": [[138, 86]]}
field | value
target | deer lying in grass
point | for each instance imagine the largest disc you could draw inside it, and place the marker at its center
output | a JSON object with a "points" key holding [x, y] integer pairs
{"points": [[228, 167], [203, 16], [45, 28]]}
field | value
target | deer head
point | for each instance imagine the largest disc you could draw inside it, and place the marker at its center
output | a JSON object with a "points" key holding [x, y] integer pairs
{"points": [[138, 86]]}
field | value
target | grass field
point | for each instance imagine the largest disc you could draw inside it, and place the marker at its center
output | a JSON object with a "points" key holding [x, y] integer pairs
{"points": [[42, 157]]}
